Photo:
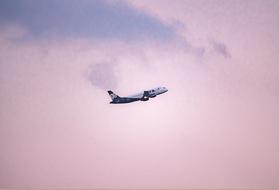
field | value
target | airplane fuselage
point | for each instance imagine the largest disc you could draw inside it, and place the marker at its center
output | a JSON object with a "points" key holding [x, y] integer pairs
{"points": [[143, 96]]}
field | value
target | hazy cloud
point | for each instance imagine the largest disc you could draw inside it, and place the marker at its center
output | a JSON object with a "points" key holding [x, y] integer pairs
{"points": [[102, 75], [221, 48]]}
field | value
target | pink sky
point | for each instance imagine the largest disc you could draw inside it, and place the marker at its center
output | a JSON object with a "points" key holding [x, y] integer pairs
{"points": [[216, 127]]}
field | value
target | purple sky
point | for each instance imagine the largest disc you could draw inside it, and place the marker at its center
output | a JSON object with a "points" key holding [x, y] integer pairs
{"points": [[216, 127]]}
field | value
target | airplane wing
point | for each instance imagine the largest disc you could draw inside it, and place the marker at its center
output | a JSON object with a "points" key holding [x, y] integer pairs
{"points": [[145, 94]]}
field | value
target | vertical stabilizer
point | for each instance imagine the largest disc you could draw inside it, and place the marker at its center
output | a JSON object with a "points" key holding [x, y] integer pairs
{"points": [[112, 95]]}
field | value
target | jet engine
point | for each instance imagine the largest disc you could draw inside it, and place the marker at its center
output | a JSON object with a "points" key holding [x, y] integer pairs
{"points": [[144, 99]]}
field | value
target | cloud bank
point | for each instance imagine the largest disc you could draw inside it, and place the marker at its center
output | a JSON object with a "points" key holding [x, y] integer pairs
{"points": [[83, 19]]}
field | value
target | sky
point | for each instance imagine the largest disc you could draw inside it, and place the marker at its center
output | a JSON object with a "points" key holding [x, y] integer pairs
{"points": [[216, 127]]}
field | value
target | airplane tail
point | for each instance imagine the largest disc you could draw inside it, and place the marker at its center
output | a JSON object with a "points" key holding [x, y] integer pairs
{"points": [[112, 95]]}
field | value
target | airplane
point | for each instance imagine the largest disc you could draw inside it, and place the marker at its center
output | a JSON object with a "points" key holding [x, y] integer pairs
{"points": [[143, 96]]}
